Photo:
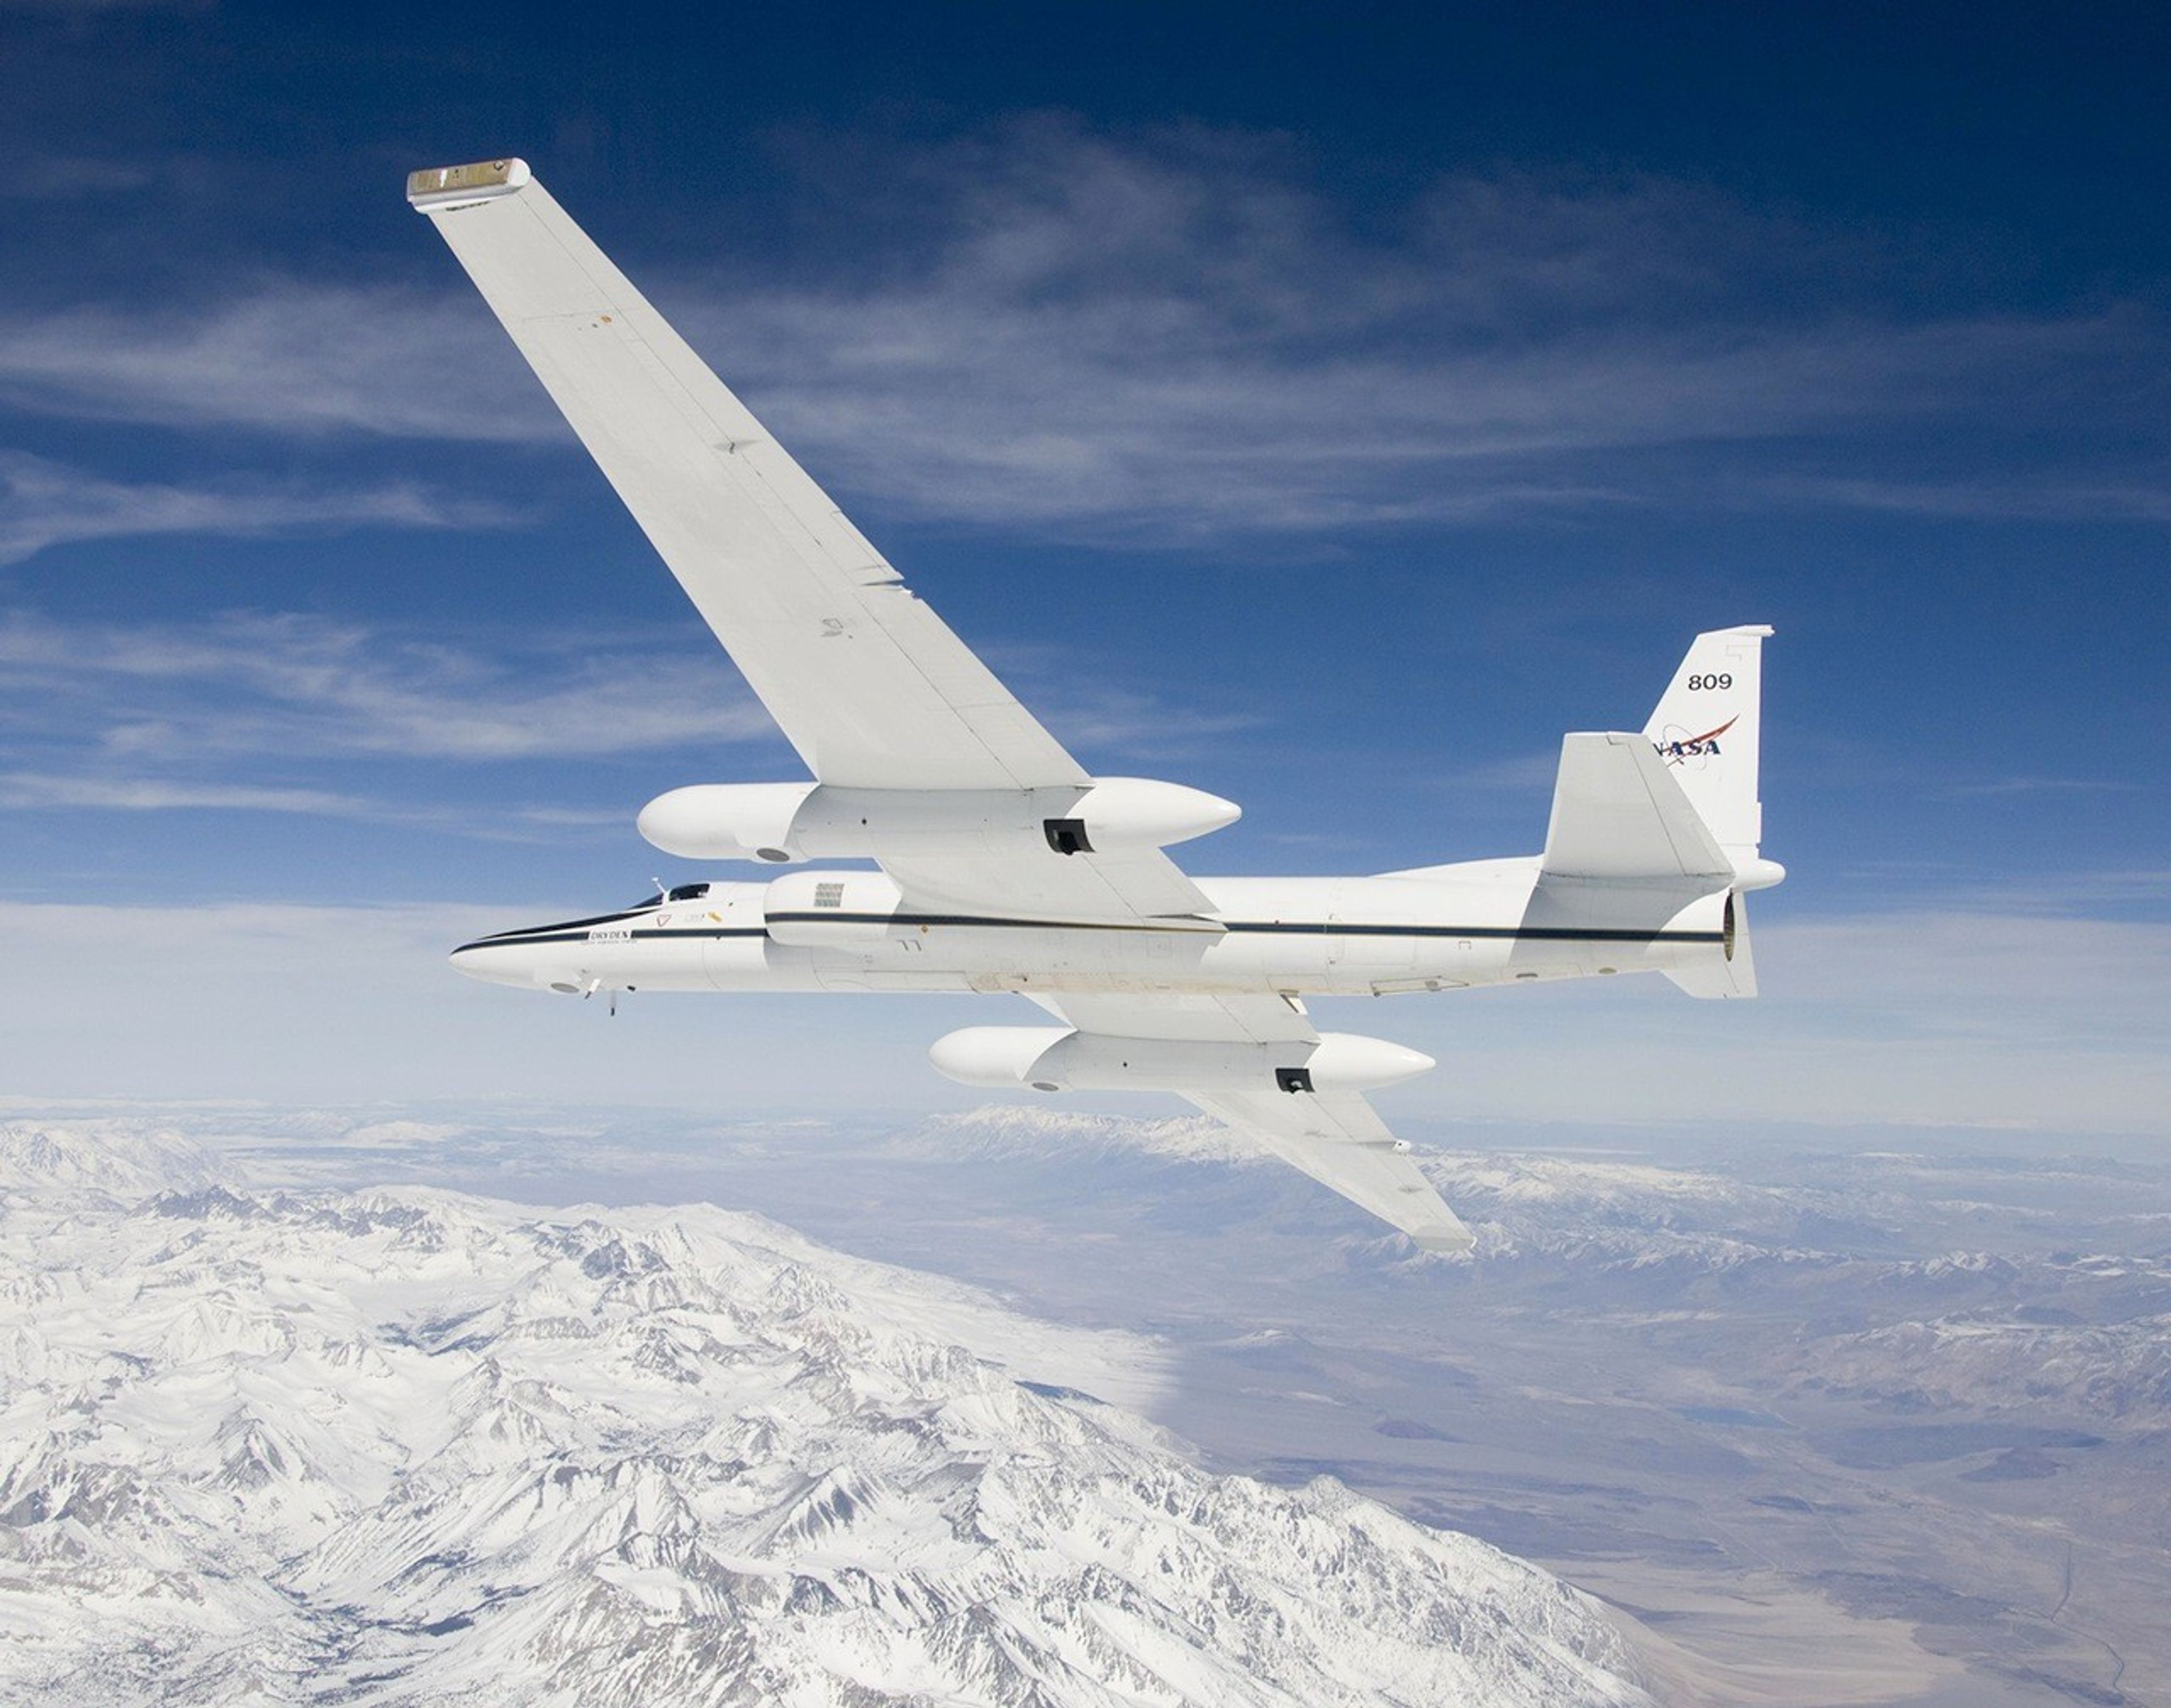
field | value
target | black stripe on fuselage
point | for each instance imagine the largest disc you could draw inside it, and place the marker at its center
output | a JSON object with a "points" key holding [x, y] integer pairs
{"points": [[573, 931], [565, 934], [528, 933], [1526, 933], [1297, 928]]}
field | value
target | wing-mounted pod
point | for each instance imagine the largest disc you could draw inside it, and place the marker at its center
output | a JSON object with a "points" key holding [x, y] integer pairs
{"points": [[728, 821], [785, 822], [1051, 1058]]}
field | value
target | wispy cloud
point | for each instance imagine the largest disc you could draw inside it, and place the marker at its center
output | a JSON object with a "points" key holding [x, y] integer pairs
{"points": [[31, 789], [2034, 499], [245, 711], [253, 685], [2055, 894], [1177, 335], [1967, 1018], [284, 356], [64, 177], [1962, 966], [1096, 713], [39, 791], [2046, 785], [45, 503], [1514, 774]]}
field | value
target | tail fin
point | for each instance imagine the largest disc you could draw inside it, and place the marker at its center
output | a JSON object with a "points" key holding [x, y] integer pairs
{"points": [[1707, 729]]}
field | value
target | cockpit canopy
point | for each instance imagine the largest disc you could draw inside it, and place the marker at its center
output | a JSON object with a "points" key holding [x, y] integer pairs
{"points": [[684, 892]]}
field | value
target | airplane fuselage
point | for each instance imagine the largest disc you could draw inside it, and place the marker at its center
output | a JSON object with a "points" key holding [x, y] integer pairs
{"points": [[1487, 922]]}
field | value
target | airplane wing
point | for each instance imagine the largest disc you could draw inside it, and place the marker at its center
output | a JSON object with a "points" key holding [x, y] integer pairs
{"points": [[868, 684], [1335, 1137]]}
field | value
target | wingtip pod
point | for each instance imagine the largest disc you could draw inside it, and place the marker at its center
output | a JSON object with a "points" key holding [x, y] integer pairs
{"points": [[436, 188]]}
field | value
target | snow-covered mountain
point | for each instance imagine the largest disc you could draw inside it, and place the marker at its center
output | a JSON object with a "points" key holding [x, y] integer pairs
{"points": [[412, 1446], [116, 1159], [1991, 1364], [1020, 1131]]}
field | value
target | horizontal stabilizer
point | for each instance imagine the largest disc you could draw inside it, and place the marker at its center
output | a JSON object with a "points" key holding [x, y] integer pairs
{"points": [[1619, 815]]}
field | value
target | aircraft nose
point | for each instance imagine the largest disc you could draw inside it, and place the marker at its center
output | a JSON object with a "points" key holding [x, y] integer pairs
{"points": [[494, 963]]}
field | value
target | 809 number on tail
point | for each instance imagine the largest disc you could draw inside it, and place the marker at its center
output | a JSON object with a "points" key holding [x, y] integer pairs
{"points": [[1698, 684]]}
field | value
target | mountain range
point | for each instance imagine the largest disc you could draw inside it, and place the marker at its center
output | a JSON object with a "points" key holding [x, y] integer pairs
{"points": [[411, 1446]]}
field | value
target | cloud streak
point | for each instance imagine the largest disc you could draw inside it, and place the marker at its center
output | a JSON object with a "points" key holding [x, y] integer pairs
{"points": [[1175, 336], [43, 503], [1112, 336], [68, 177], [545, 826], [252, 686], [284, 356], [124, 701], [36, 791], [1966, 1017]]}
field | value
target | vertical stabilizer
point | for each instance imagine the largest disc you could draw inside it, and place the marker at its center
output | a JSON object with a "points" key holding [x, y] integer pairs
{"points": [[1707, 729]]}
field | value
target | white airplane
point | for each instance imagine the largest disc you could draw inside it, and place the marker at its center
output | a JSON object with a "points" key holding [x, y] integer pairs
{"points": [[1005, 865]]}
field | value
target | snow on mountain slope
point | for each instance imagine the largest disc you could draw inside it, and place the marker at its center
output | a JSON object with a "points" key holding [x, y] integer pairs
{"points": [[123, 1158], [1997, 1366], [414, 1448], [1017, 1130]]}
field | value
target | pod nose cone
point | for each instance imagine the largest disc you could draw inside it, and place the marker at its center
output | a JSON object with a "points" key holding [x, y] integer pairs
{"points": [[1759, 874]]}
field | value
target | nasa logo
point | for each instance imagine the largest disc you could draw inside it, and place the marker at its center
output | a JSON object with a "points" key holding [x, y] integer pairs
{"points": [[1704, 746]]}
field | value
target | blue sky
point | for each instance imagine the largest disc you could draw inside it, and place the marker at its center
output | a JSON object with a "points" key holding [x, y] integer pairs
{"points": [[1325, 409]]}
